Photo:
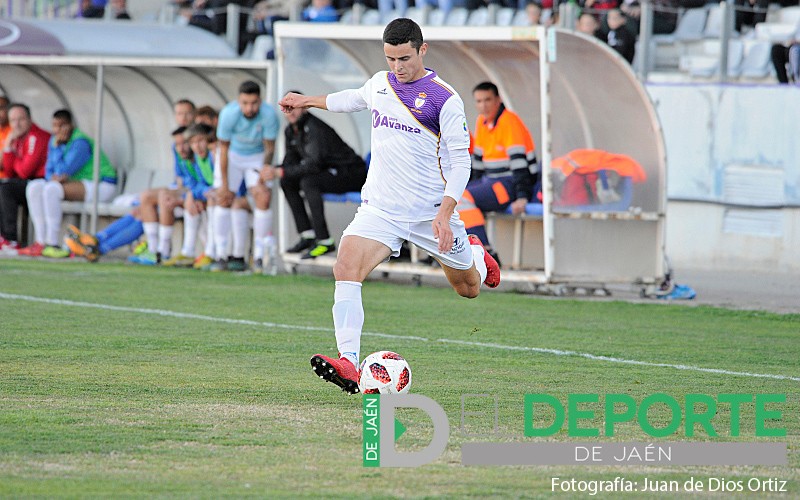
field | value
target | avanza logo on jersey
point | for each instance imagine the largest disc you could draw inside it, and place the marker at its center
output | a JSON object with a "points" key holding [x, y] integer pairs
{"points": [[379, 120]]}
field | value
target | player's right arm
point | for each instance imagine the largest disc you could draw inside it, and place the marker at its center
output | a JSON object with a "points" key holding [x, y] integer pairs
{"points": [[345, 101], [224, 192]]}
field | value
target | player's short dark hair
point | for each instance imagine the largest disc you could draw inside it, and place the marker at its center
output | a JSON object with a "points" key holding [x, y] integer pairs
{"points": [[23, 107], [199, 129], [185, 101], [206, 111], [403, 30], [64, 115], [484, 86], [250, 87], [179, 130]]}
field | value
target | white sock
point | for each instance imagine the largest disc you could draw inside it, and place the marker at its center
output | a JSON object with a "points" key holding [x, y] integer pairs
{"points": [[210, 249], [52, 197], [262, 227], [477, 258], [348, 319], [241, 231], [151, 233], [222, 230], [34, 193], [165, 240], [191, 224]]}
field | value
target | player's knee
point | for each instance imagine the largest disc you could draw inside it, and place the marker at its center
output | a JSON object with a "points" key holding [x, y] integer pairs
{"points": [[468, 291], [344, 270]]}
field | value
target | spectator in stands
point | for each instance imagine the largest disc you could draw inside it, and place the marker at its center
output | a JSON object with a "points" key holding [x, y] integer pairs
{"points": [[198, 136], [618, 37], [119, 9], [196, 13], [320, 11], [665, 14], [533, 11], [504, 166], [587, 24], [5, 127], [787, 55], [746, 15], [24, 158], [598, 7], [69, 174], [317, 161], [246, 135], [89, 10]]}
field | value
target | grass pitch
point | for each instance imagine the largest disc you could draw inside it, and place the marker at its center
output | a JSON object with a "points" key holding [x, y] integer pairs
{"points": [[161, 382]]}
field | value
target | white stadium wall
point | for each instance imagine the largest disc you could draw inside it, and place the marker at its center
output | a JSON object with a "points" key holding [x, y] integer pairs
{"points": [[734, 175]]}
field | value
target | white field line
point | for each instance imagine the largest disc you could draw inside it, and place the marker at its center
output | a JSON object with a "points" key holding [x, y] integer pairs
{"points": [[540, 350]]}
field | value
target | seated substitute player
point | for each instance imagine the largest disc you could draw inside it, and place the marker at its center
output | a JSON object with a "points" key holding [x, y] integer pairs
{"points": [[419, 169], [198, 195], [504, 167], [317, 161]]}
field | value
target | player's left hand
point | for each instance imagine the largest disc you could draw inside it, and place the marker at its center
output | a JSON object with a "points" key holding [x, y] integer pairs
{"points": [[518, 206], [443, 233]]}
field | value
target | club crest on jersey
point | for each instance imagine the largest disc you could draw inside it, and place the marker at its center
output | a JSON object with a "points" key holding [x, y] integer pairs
{"points": [[420, 100]]}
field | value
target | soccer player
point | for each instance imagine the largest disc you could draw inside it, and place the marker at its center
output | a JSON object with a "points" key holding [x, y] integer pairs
{"points": [[420, 166], [246, 132]]}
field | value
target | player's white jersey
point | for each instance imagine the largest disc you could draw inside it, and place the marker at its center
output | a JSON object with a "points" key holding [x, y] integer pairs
{"points": [[413, 126]]}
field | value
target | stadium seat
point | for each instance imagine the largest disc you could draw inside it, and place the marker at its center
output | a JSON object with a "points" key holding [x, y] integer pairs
{"points": [[436, 17], [390, 16], [713, 27], [347, 17], [417, 14], [520, 18], [757, 61], [371, 17], [505, 16], [457, 17], [706, 65], [782, 30], [690, 27], [478, 17]]}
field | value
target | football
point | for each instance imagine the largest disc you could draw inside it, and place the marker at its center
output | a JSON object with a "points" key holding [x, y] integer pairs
{"points": [[384, 372]]}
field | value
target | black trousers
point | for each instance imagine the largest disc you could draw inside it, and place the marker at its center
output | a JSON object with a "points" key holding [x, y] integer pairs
{"points": [[313, 186], [12, 196], [780, 58]]}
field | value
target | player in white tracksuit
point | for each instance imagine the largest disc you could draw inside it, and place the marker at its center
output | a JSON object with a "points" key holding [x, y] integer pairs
{"points": [[419, 168]]}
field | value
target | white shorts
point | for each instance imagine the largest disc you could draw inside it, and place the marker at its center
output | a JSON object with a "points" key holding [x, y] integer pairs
{"points": [[374, 224], [241, 168], [104, 194]]}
